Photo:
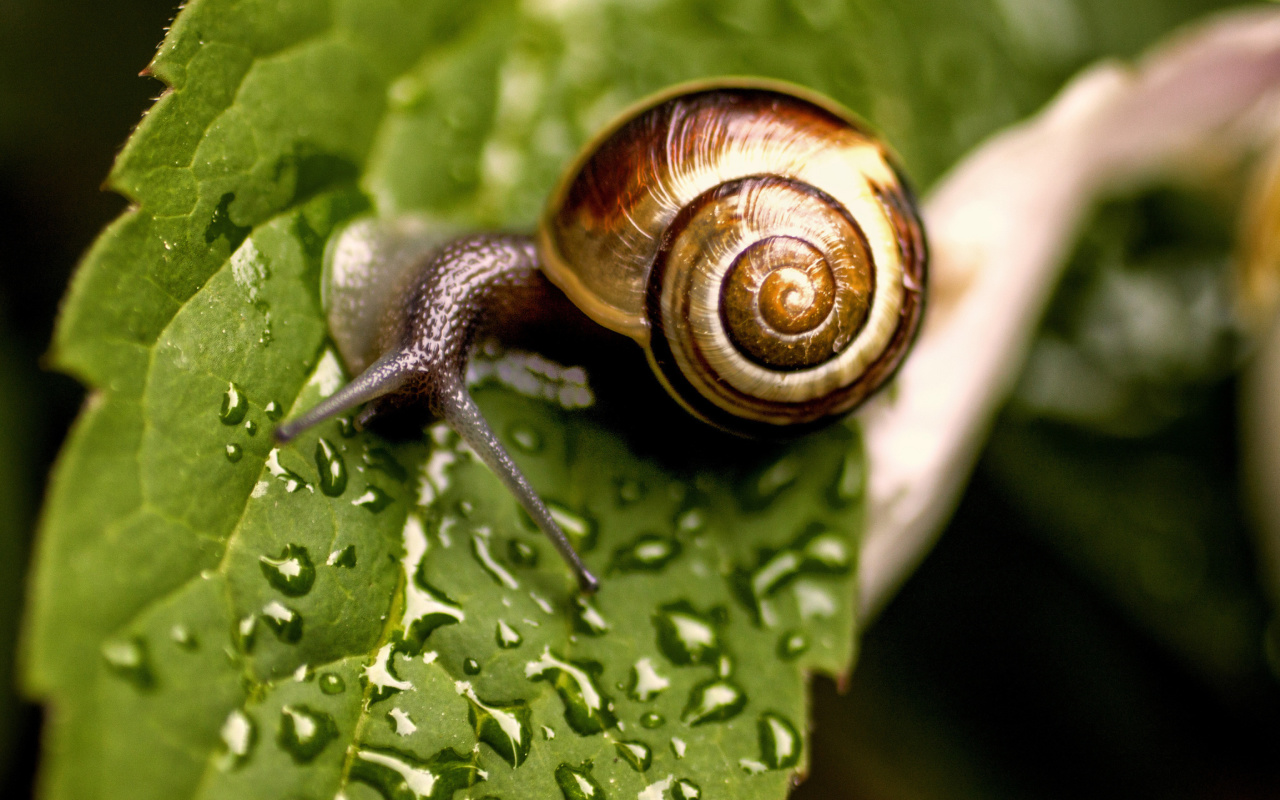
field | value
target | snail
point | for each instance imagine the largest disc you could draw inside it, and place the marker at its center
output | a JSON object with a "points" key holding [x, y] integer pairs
{"points": [[753, 237]]}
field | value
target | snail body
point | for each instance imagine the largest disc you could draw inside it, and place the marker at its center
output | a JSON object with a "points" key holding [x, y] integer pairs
{"points": [[753, 238]]}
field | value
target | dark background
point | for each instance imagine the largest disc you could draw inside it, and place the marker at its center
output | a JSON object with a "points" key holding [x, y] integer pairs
{"points": [[1009, 665]]}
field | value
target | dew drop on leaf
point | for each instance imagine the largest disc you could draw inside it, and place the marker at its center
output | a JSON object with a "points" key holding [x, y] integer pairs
{"points": [[480, 550], [686, 789], [646, 683], [507, 637], [630, 491], [373, 499], [651, 720], [305, 732], [581, 530], [779, 742], [245, 633], [648, 553], [292, 572], [400, 776], [283, 621], [401, 723], [637, 754], [239, 735], [577, 784], [586, 708], [183, 637], [331, 468], [251, 427], [506, 727], [292, 481], [587, 619], [346, 557], [521, 553], [234, 453], [332, 683], [470, 666], [685, 636], [130, 659], [380, 458], [273, 411], [714, 701], [525, 438], [234, 405], [792, 644]]}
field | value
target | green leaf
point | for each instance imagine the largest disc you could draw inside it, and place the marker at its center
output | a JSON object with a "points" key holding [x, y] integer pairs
{"points": [[211, 616]]}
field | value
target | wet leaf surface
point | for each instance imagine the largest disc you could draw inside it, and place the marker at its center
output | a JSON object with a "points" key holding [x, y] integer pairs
{"points": [[216, 617]]}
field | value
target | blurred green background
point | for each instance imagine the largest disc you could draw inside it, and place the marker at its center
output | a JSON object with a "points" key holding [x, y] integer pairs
{"points": [[1092, 622]]}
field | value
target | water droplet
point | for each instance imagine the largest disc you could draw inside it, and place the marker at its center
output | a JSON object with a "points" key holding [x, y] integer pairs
{"points": [[678, 746], [503, 726], [586, 708], [521, 554], [525, 438], [245, 633], [548, 733], [401, 722], [687, 637], [714, 701], [507, 636], [691, 521], [791, 645], [400, 776], [291, 572], [581, 530], [346, 557], [346, 428], [636, 754], [380, 458], [686, 790], [373, 499], [183, 637], [480, 549], [292, 481], [646, 683], [251, 427], [772, 481], [587, 620], [652, 719], [283, 621], [779, 742], [305, 732], [425, 607], [234, 405], [630, 491], [471, 666], [851, 483], [273, 410], [303, 673], [130, 659], [239, 735], [817, 551], [332, 468], [234, 453], [576, 784], [648, 553], [380, 676], [332, 683]]}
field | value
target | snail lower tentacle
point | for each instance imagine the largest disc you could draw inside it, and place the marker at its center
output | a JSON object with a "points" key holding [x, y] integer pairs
{"points": [[463, 289]]}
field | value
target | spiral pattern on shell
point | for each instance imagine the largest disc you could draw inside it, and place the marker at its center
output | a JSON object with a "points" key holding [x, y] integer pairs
{"points": [[760, 245]]}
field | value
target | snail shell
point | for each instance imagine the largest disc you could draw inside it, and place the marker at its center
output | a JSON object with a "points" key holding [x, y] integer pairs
{"points": [[755, 239]]}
